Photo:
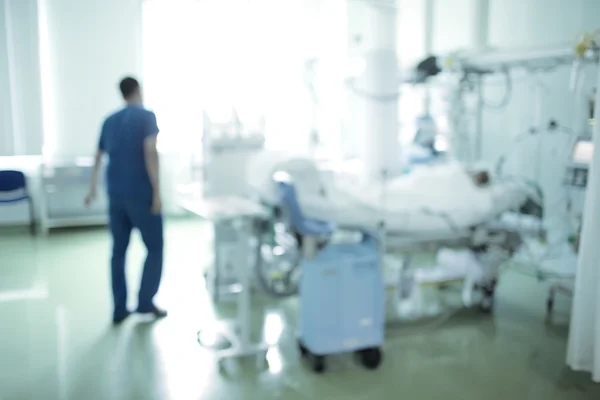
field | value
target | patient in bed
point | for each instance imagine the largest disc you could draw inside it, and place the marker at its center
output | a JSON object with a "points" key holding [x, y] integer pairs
{"points": [[480, 178]]}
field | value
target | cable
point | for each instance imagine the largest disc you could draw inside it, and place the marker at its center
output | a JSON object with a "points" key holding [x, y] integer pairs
{"points": [[308, 77], [507, 94], [531, 132], [445, 216], [558, 205], [503, 157]]}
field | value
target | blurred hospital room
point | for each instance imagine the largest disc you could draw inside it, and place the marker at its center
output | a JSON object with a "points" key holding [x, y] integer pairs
{"points": [[299, 199]]}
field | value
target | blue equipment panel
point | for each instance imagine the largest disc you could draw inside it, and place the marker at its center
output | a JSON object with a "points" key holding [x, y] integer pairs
{"points": [[342, 299]]}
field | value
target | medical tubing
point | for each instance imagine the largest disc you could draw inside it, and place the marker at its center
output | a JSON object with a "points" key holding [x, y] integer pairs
{"points": [[507, 94], [308, 77], [522, 136], [445, 216], [558, 205], [503, 157]]}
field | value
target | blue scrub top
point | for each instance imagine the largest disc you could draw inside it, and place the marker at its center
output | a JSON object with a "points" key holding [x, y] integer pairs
{"points": [[122, 138]]}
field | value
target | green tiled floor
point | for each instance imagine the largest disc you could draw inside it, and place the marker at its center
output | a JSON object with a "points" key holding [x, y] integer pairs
{"points": [[56, 342]]}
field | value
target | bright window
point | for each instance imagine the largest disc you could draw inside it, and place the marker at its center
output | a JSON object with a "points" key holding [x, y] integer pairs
{"points": [[219, 55], [243, 54]]}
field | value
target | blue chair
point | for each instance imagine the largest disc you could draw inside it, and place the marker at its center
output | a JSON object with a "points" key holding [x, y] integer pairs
{"points": [[13, 189], [304, 226]]}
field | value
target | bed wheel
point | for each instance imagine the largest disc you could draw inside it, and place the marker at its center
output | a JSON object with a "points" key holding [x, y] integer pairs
{"points": [[370, 358], [487, 304], [303, 350], [318, 364], [550, 305]]}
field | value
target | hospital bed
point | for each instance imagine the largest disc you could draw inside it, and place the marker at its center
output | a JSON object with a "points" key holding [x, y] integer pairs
{"points": [[434, 206], [433, 201], [476, 267]]}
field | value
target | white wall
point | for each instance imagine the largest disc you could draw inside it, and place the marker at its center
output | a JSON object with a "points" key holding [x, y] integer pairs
{"points": [[89, 47], [453, 25], [541, 22]]}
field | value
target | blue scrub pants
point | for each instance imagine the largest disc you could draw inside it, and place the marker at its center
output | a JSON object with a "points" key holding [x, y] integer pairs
{"points": [[126, 214]]}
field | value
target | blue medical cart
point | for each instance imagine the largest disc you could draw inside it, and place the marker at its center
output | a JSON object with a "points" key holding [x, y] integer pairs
{"points": [[342, 303], [342, 293]]}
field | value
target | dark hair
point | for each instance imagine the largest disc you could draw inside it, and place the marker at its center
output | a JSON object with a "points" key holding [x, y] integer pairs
{"points": [[128, 87]]}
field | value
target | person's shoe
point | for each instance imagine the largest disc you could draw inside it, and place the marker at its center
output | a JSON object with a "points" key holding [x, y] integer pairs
{"points": [[119, 319], [154, 311]]}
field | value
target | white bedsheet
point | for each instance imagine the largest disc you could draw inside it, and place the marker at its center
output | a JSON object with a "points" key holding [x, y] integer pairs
{"points": [[431, 199]]}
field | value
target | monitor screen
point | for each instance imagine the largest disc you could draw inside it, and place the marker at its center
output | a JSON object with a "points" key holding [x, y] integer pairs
{"points": [[583, 151]]}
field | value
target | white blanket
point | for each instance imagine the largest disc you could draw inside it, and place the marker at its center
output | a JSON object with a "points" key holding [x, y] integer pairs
{"points": [[431, 199]]}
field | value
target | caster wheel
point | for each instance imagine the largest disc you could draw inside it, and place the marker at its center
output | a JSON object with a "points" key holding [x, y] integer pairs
{"points": [[371, 358], [549, 305], [487, 305], [303, 350], [318, 364]]}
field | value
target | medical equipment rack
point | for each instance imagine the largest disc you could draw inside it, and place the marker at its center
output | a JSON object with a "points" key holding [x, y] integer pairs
{"points": [[244, 215], [64, 187]]}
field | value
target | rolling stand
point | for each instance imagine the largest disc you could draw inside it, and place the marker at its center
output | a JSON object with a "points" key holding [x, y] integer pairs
{"points": [[244, 215]]}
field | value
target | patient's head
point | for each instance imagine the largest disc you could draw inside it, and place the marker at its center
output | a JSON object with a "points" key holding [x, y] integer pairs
{"points": [[480, 178]]}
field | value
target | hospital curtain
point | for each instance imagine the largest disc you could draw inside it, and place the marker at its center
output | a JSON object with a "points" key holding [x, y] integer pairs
{"points": [[20, 95], [584, 336]]}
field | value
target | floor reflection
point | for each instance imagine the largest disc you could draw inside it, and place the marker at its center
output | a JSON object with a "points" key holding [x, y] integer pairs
{"points": [[57, 341]]}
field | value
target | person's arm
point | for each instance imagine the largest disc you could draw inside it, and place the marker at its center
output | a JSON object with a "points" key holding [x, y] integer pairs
{"points": [[152, 162], [96, 170]]}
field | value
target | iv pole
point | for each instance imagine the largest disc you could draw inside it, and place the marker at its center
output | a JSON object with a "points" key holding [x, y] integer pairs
{"points": [[480, 43], [429, 27]]}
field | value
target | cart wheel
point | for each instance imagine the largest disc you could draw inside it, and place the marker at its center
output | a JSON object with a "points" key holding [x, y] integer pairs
{"points": [[370, 358], [487, 304], [318, 364], [303, 350], [221, 364], [550, 305]]}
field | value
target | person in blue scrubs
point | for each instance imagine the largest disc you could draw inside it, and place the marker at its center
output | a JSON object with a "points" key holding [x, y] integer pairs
{"points": [[128, 138]]}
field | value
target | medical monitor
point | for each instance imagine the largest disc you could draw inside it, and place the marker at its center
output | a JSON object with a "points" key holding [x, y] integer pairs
{"points": [[583, 151]]}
